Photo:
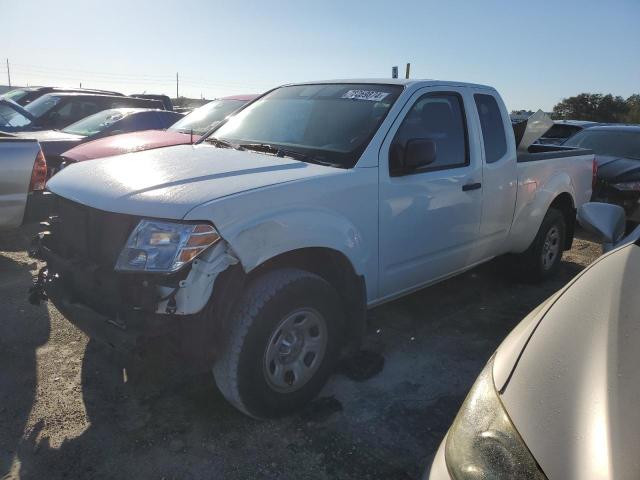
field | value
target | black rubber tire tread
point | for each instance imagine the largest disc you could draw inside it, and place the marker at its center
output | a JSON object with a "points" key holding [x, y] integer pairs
{"points": [[529, 263], [271, 288]]}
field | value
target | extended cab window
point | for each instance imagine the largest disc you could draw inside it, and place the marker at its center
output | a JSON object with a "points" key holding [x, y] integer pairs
{"points": [[440, 119], [495, 141]]}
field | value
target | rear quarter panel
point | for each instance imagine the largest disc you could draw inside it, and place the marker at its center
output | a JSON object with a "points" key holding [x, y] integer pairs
{"points": [[539, 183], [17, 157]]}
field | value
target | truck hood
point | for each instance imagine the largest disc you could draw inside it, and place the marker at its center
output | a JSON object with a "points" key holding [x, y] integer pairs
{"points": [[127, 143], [169, 182], [574, 389]]}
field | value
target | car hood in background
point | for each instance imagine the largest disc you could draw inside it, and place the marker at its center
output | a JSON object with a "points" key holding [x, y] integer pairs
{"points": [[575, 390], [50, 136], [127, 143], [618, 169], [169, 182]]}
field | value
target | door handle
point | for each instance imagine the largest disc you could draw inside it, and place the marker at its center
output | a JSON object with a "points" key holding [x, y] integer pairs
{"points": [[471, 186]]}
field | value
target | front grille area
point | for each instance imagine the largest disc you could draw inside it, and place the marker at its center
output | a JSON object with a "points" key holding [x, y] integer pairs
{"points": [[84, 233]]}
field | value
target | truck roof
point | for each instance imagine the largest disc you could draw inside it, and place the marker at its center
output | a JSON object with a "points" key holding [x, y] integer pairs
{"points": [[399, 81]]}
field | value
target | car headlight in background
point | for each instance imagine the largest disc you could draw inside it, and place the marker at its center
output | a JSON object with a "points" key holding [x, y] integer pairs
{"points": [[156, 246], [628, 186], [482, 442]]}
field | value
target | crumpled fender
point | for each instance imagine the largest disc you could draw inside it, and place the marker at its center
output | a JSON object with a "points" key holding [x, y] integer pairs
{"points": [[261, 239]]}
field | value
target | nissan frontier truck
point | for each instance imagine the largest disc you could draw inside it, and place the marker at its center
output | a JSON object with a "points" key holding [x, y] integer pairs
{"points": [[261, 247]]}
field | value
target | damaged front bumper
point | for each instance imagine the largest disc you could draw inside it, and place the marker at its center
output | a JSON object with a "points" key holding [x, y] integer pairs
{"points": [[121, 309], [123, 331]]}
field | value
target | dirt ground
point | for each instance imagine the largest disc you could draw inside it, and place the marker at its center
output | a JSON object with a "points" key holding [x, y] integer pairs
{"points": [[66, 412]]}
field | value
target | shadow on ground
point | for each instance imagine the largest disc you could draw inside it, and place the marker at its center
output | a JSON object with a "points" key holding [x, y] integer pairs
{"points": [[23, 329]]}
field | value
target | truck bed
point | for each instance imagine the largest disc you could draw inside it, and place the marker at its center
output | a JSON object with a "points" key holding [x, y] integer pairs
{"points": [[546, 152]]}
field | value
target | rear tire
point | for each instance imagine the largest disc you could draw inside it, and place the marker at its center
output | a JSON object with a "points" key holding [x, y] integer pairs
{"points": [[542, 259], [283, 341]]}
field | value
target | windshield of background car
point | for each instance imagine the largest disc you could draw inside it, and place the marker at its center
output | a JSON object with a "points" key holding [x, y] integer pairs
{"points": [[332, 123], [42, 105], [11, 118], [560, 131], [203, 119], [16, 95], [603, 142], [97, 122]]}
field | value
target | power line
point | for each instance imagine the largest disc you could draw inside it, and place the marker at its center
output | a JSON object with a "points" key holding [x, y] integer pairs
{"points": [[24, 66]]}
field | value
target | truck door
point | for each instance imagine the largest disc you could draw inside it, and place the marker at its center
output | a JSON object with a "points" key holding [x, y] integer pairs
{"points": [[429, 215], [499, 174]]}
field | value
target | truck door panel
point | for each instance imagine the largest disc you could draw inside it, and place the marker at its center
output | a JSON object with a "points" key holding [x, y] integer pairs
{"points": [[429, 221]]}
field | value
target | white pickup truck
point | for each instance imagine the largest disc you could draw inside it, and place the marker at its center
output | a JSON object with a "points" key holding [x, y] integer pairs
{"points": [[23, 172], [262, 247]]}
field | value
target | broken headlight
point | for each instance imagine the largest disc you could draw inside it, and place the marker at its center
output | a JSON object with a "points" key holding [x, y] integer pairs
{"points": [[483, 443], [156, 246]]}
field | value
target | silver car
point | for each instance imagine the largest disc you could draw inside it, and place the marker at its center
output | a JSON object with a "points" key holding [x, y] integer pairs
{"points": [[560, 398]]}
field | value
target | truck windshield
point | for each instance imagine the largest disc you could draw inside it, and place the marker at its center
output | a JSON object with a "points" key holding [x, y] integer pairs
{"points": [[202, 119], [324, 123]]}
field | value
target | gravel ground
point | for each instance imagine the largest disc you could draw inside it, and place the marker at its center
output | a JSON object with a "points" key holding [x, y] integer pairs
{"points": [[66, 411]]}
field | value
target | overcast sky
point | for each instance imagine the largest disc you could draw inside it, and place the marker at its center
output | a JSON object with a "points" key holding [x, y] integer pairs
{"points": [[535, 52]]}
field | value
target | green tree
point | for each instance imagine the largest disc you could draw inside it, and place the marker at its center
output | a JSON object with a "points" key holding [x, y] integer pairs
{"points": [[633, 105], [595, 107]]}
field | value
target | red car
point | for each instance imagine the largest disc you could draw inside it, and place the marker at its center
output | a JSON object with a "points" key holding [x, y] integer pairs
{"points": [[184, 131]]}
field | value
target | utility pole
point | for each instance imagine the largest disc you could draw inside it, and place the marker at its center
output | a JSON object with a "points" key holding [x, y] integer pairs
{"points": [[8, 73], [407, 72], [177, 83]]}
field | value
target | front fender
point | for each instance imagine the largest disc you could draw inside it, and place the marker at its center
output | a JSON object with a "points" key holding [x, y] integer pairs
{"points": [[260, 239], [532, 205]]}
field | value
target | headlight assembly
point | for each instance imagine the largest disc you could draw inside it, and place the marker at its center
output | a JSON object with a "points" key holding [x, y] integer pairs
{"points": [[483, 443], [156, 246]]}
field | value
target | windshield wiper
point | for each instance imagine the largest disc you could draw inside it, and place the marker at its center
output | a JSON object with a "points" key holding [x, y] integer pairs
{"points": [[273, 150], [218, 142]]}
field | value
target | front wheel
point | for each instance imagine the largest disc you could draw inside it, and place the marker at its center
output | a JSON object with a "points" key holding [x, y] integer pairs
{"points": [[283, 341], [542, 259]]}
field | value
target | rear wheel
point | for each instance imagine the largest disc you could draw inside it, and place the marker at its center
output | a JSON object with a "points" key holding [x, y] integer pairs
{"points": [[542, 259], [283, 341]]}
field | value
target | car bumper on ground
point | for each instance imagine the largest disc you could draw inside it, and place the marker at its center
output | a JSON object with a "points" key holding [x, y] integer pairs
{"points": [[438, 469], [122, 332]]}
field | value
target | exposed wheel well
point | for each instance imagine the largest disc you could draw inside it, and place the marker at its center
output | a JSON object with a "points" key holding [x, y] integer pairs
{"points": [[564, 203], [336, 269]]}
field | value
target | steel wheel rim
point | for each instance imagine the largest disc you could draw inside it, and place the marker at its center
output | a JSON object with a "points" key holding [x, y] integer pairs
{"points": [[551, 247], [295, 350]]}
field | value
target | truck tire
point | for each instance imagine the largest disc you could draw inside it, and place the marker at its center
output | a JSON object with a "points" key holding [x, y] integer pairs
{"points": [[542, 259], [282, 344]]}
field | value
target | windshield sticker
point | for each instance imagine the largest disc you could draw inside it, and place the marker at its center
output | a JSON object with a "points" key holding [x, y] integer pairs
{"points": [[365, 95]]}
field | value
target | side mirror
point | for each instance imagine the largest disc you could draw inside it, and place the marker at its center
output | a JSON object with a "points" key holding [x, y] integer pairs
{"points": [[604, 220], [419, 152]]}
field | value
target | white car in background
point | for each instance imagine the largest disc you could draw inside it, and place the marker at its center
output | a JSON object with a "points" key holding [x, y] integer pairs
{"points": [[559, 399]]}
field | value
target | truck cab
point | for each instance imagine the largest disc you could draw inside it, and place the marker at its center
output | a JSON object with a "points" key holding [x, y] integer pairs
{"points": [[264, 244]]}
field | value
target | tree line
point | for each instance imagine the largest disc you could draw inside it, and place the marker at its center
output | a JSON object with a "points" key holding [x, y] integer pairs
{"points": [[598, 107]]}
